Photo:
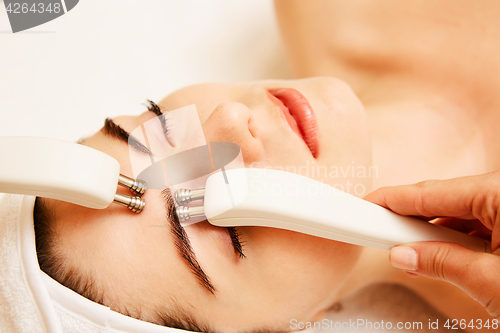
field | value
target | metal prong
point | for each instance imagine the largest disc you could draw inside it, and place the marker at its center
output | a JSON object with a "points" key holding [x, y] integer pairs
{"points": [[185, 213], [136, 186], [184, 196], [135, 204]]}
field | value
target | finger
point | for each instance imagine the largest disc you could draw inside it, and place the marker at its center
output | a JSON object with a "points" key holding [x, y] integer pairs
{"points": [[426, 218], [471, 227], [475, 273], [486, 237], [464, 197], [474, 228], [465, 226], [454, 223], [429, 198], [412, 275], [495, 236]]}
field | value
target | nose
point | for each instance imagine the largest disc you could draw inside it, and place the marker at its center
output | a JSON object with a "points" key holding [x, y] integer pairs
{"points": [[233, 122]]}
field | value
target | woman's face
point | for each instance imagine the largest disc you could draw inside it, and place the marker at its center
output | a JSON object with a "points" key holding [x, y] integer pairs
{"points": [[284, 275]]}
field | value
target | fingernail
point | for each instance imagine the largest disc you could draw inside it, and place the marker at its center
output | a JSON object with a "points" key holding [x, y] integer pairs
{"points": [[404, 257]]}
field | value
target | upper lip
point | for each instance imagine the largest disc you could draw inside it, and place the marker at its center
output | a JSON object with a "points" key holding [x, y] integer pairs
{"points": [[298, 114]]}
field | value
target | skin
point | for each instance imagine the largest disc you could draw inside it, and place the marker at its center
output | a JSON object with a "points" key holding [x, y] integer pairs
{"points": [[284, 276], [470, 205], [426, 74]]}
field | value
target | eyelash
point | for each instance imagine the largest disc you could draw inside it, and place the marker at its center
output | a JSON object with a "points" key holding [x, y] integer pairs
{"points": [[165, 124], [233, 232], [237, 243], [153, 107]]}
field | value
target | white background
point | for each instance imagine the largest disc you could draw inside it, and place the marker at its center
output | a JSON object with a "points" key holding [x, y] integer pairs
{"points": [[106, 58]]}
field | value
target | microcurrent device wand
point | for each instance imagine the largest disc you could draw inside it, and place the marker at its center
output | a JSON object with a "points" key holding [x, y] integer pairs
{"points": [[279, 199], [65, 171]]}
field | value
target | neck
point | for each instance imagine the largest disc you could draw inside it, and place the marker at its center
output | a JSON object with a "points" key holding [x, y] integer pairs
{"points": [[423, 132], [419, 134]]}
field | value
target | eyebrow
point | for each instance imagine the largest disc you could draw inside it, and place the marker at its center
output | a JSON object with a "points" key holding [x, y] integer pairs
{"points": [[182, 243], [181, 239], [116, 131]]}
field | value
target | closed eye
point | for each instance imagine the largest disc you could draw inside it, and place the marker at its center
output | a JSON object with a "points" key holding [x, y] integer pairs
{"points": [[116, 131]]}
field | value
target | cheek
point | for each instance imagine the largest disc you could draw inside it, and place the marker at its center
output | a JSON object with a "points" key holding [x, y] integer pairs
{"points": [[312, 266], [345, 128], [345, 159]]}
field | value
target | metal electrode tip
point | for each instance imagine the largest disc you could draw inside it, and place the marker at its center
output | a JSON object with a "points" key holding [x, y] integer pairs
{"points": [[135, 204], [185, 213], [136, 186], [184, 196]]}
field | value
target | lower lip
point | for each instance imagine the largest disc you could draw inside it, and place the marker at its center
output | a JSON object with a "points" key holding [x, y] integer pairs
{"points": [[302, 115]]}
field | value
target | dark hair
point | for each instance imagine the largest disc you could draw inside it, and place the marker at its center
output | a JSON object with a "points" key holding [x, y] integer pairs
{"points": [[53, 263]]}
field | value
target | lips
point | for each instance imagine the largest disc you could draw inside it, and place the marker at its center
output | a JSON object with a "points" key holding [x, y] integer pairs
{"points": [[299, 116]]}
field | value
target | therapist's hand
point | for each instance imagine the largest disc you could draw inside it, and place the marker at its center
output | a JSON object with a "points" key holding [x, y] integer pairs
{"points": [[467, 204]]}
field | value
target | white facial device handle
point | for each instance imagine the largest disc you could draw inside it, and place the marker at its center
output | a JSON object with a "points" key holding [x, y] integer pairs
{"points": [[59, 170], [278, 199]]}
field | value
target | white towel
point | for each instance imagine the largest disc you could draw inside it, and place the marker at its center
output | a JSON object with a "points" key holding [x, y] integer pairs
{"points": [[31, 301], [18, 310]]}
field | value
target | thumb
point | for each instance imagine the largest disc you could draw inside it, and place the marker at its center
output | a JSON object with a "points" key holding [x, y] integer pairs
{"points": [[475, 273]]}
